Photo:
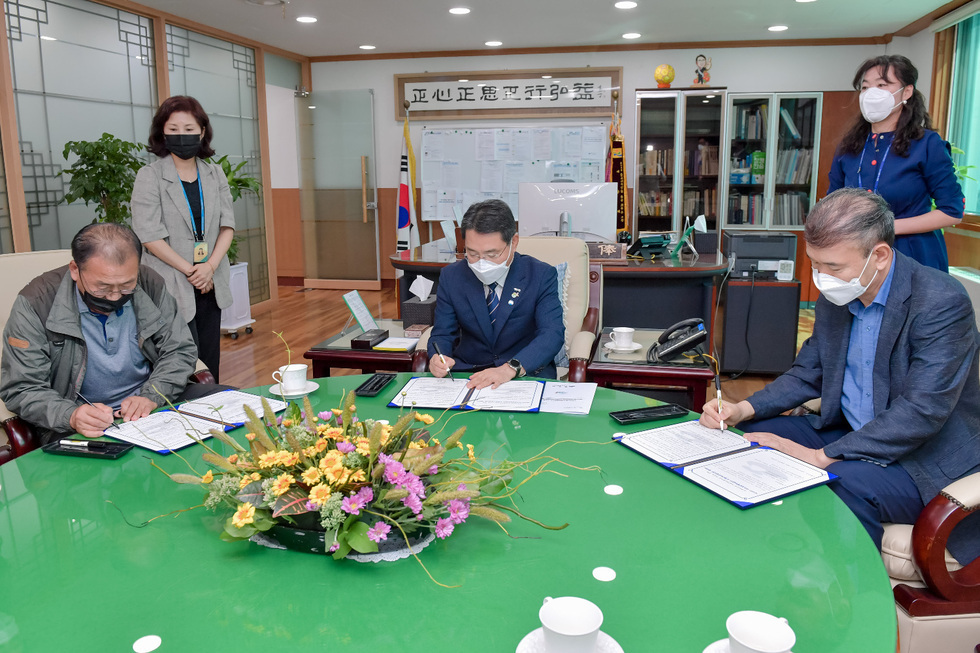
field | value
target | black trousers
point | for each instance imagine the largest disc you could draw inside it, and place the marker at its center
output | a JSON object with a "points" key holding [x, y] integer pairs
{"points": [[206, 330]]}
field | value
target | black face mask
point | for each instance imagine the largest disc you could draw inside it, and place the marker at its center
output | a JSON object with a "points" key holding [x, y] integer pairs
{"points": [[103, 305], [185, 146]]}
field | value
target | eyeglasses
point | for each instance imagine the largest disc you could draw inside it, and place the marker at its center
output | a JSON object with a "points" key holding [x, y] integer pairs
{"points": [[103, 291], [491, 256]]}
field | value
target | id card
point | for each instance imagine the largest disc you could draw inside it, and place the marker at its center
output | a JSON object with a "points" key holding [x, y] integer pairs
{"points": [[200, 252]]}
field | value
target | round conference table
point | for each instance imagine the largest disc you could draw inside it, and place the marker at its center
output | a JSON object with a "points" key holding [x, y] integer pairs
{"points": [[76, 577]]}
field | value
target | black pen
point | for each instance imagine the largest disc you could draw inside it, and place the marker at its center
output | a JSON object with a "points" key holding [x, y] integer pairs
{"points": [[82, 397], [95, 444], [443, 359]]}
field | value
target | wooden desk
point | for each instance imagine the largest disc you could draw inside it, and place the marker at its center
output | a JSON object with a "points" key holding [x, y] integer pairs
{"points": [[337, 352], [641, 294], [77, 577], [608, 368]]}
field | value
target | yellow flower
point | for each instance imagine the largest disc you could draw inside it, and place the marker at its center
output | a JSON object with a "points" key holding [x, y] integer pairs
{"points": [[416, 444], [245, 480], [353, 408], [459, 444], [207, 478], [319, 494], [244, 515], [357, 477], [363, 446], [233, 458], [287, 423], [268, 459], [249, 436], [282, 483], [256, 476], [434, 442], [331, 460], [425, 419], [337, 411], [287, 458], [469, 452], [311, 476], [332, 432]]}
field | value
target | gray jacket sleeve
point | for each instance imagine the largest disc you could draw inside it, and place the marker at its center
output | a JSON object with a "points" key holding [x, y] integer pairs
{"points": [[26, 372]]}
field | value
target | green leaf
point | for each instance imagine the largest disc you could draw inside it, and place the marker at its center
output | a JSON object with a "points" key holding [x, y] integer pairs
{"points": [[246, 531], [292, 502], [342, 550], [252, 493], [358, 539]]}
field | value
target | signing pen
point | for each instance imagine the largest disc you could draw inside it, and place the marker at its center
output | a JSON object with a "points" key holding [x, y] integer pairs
{"points": [[82, 443], [443, 359], [718, 398], [82, 397]]}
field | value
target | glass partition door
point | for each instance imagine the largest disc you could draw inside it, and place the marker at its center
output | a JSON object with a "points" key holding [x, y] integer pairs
{"points": [[339, 198]]}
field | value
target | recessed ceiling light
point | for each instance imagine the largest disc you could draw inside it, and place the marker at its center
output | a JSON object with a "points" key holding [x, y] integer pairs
{"points": [[545, 76], [709, 96], [367, 47], [312, 106], [459, 11], [625, 4], [806, 0], [266, 3], [494, 44], [305, 19], [649, 148], [631, 35], [464, 80], [778, 28], [48, 38]]}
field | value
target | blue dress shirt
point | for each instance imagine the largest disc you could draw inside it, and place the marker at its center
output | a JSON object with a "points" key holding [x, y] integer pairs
{"points": [[857, 398]]}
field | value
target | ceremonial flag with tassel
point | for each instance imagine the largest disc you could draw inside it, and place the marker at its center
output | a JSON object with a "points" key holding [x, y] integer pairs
{"points": [[616, 172], [408, 228]]}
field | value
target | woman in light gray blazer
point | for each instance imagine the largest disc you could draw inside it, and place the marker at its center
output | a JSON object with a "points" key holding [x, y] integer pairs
{"points": [[182, 214]]}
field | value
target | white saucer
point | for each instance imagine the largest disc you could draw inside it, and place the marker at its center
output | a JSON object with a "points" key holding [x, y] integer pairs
{"points": [[621, 350], [310, 387], [533, 642], [721, 646]]}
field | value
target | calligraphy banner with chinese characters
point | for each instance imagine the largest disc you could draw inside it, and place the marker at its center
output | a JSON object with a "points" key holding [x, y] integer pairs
{"points": [[522, 93]]}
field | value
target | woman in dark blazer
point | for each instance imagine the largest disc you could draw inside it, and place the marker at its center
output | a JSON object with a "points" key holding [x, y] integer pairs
{"points": [[182, 214]]}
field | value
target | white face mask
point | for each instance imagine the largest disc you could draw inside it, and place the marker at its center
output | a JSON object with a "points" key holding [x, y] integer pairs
{"points": [[840, 292], [877, 103], [489, 272]]}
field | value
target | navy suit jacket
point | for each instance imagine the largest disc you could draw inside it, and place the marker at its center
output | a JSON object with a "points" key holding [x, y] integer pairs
{"points": [[528, 323], [926, 390]]}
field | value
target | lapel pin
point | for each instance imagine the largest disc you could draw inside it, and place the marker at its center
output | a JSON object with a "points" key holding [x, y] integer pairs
{"points": [[511, 302]]}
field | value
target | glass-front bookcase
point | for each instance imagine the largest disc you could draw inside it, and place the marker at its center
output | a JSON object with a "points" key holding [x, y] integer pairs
{"points": [[771, 154], [679, 135]]}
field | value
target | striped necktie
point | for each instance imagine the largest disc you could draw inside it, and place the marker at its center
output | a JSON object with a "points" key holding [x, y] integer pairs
{"points": [[492, 301]]}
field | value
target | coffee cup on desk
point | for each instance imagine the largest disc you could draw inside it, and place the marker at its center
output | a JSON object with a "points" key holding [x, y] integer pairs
{"points": [[758, 632], [622, 337], [291, 378], [570, 625]]}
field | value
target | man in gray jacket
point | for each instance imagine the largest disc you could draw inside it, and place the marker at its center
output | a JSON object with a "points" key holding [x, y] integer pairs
{"points": [[96, 339], [894, 358]]}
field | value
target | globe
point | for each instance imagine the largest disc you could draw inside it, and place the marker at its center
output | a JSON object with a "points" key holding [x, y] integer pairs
{"points": [[664, 75]]}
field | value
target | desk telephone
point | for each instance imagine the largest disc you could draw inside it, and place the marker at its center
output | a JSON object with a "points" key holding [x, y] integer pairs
{"points": [[676, 340]]}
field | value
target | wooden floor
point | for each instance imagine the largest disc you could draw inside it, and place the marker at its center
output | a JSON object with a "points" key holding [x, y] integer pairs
{"points": [[307, 316]]}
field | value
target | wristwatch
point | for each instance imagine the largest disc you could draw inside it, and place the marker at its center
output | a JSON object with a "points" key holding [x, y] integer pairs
{"points": [[516, 366]]}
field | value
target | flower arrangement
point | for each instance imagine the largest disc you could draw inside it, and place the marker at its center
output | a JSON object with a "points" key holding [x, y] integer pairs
{"points": [[360, 481]]}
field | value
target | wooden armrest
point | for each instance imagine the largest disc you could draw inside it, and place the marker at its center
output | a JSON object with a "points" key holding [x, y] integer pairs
{"points": [[202, 376], [21, 436], [929, 536], [420, 360]]}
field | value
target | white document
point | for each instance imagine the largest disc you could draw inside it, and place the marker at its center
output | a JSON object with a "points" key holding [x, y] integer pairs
{"points": [[521, 147], [360, 311], [591, 172], [567, 398], [541, 144], [594, 143], [501, 145], [492, 177], [434, 142], [450, 174], [679, 444], [429, 392], [429, 199], [162, 432], [228, 406], [756, 475], [571, 143], [445, 203], [397, 344], [513, 175], [484, 145], [562, 170]]}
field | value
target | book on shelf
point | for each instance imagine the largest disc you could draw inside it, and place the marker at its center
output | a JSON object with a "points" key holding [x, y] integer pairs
{"points": [[789, 122]]}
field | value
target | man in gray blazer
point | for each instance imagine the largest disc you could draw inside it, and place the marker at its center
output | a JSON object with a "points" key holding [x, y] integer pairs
{"points": [[894, 359]]}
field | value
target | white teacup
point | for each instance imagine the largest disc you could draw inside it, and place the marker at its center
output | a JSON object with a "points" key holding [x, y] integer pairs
{"points": [[622, 337], [291, 378], [570, 624], [757, 632]]}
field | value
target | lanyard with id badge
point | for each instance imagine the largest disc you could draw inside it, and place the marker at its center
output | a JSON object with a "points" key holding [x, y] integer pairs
{"points": [[200, 245]]}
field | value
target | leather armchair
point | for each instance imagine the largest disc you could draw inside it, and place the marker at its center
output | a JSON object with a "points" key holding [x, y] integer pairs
{"points": [[581, 303]]}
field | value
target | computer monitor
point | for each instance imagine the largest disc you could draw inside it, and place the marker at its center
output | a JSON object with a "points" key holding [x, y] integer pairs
{"points": [[586, 210]]}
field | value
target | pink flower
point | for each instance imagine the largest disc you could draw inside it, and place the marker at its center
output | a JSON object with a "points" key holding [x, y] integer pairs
{"points": [[413, 503], [444, 528], [346, 447], [325, 415], [433, 470], [378, 532], [365, 495], [413, 484], [351, 505], [333, 547], [458, 510], [311, 506], [394, 472], [384, 458], [461, 487]]}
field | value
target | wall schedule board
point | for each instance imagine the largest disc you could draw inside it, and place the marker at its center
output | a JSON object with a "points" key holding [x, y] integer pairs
{"points": [[462, 166]]}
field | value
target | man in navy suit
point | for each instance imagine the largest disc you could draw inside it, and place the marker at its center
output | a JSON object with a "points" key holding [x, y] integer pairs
{"points": [[894, 359], [497, 311]]}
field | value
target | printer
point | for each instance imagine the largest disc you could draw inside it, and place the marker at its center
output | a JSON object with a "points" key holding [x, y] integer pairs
{"points": [[758, 252]]}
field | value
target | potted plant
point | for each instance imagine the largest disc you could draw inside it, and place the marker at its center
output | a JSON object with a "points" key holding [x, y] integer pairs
{"points": [[103, 174]]}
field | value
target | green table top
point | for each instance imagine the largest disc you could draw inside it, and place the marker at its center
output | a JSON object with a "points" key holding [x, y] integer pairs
{"points": [[76, 577]]}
